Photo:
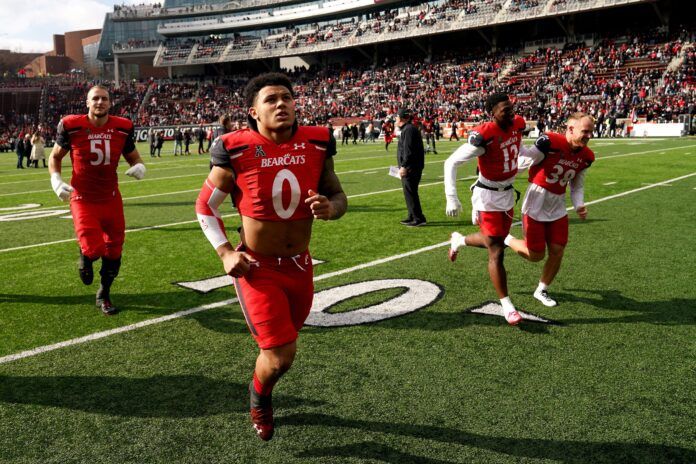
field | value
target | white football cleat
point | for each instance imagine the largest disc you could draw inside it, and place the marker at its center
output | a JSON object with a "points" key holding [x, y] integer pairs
{"points": [[546, 300], [513, 317], [456, 241]]}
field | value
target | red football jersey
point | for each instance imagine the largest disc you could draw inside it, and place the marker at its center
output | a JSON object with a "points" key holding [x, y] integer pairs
{"points": [[502, 148], [272, 180], [560, 165], [95, 152]]}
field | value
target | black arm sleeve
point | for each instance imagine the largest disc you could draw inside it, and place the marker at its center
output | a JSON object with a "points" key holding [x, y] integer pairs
{"points": [[331, 147], [218, 154], [543, 143], [62, 137], [129, 146]]}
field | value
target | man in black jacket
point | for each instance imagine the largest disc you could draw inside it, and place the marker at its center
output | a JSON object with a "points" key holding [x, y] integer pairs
{"points": [[410, 156]]}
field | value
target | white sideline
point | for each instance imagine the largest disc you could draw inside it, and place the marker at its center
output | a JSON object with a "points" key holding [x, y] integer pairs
{"points": [[186, 312]]}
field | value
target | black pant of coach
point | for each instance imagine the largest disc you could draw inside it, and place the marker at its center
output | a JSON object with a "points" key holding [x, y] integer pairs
{"points": [[410, 156], [410, 184]]}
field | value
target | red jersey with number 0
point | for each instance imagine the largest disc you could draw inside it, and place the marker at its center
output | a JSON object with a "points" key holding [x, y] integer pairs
{"points": [[502, 148], [561, 165], [272, 180], [95, 152]]}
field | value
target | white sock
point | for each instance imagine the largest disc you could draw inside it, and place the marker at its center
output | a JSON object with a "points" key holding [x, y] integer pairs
{"points": [[459, 240], [542, 286], [507, 305], [508, 239]]}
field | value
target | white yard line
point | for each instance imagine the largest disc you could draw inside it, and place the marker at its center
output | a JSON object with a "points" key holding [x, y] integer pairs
{"points": [[328, 275], [338, 173]]}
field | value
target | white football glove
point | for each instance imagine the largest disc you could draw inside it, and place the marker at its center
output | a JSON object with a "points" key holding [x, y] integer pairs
{"points": [[137, 171], [454, 207], [60, 187]]}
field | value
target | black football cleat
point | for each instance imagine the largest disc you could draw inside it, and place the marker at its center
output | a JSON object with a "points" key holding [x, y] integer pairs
{"points": [[107, 307], [406, 221]]}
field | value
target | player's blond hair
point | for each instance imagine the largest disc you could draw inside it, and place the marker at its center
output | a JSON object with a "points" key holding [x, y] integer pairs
{"points": [[578, 116]]}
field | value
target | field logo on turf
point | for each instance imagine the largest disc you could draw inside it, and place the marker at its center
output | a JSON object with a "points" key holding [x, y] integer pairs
{"points": [[417, 294]]}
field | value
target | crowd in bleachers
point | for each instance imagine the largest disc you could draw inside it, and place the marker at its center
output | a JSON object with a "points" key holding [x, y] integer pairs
{"points": [[617, 78]]}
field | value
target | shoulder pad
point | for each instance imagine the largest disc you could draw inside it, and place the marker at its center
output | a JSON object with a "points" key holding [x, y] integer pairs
{"points": [[476, 139]]}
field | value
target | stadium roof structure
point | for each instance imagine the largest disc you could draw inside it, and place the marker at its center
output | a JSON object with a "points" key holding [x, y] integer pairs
{"points": [[205, 33]]}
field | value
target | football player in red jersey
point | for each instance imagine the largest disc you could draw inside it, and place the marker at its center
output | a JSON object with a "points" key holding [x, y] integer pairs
{"points": [[281, 177], [496, 146], [96, 141], [556, 161]]}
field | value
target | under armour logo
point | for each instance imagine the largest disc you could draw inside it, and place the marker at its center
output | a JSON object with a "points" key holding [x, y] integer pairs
{"points": [[299, 145]]}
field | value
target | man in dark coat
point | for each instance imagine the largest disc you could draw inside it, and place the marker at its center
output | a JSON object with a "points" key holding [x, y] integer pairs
{"points": [[410, 157]]}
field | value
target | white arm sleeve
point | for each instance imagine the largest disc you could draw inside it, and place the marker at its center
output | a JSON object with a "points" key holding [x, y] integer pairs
{"points": [[209, 219], [461, 155], [529, 156], [577, 189]]}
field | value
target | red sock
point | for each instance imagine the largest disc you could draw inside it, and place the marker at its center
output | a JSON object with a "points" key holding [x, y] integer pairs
{"points": [[261, 389]]}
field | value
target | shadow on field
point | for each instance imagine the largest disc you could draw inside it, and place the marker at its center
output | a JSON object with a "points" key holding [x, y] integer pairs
{"points": [[677, 311], [174, 396], [567, 451], [147, 303], [370, 451]]}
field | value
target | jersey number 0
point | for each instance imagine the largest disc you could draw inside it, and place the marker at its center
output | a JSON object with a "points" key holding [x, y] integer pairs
{"points": [[285, 175]]}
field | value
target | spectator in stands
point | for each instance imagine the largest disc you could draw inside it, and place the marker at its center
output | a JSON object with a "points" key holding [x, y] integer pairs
{"points": [[429, 136], [188, 137], [37, 149], [159, 143], [178, 142], [345, 134], [21, 150], [388, 129], [371, 132], [201, 134], [454, 131], [152, 139]]}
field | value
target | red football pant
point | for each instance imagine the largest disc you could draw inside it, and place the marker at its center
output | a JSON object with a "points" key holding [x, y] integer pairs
{"points": [[276, 296], [495, 223], [100, 227], [537, 233]]}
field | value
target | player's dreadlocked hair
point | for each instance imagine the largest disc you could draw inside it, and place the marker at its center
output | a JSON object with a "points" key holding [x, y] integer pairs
{"points": [[493, 99], [255, 85]]}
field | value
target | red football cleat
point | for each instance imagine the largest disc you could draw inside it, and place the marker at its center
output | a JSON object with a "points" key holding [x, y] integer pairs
{"points": [[456, 241], [513, 317], [452, 254], [262, 418]]}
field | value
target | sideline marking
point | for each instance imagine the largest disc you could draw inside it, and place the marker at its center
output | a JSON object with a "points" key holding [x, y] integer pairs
{"points": [[186, 312]]}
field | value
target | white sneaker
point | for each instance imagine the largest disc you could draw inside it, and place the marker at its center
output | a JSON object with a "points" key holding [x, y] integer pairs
{"points": [[456, 241], [543, 296]]}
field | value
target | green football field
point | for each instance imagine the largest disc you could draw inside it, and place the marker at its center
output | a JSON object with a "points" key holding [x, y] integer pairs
{"points": [[395, 367]]}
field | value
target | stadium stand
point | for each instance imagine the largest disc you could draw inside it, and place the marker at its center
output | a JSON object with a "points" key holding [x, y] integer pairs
{"points": [[647, 75]]}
